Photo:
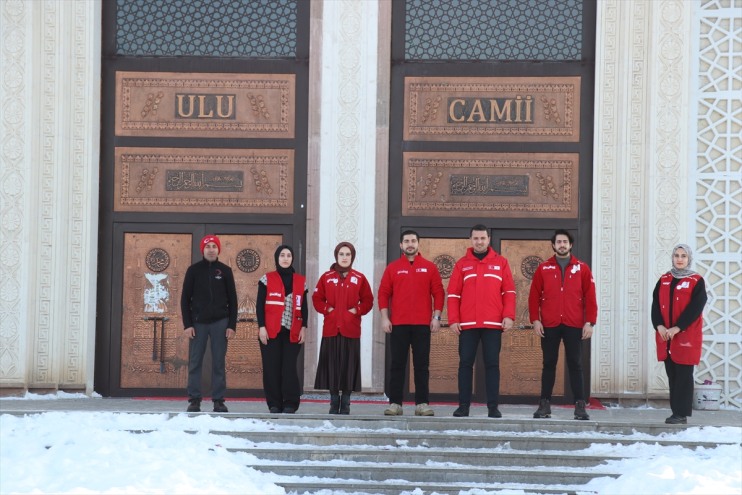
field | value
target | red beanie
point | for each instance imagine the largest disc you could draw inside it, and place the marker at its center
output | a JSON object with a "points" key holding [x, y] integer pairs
{"points": [[210, 238]]}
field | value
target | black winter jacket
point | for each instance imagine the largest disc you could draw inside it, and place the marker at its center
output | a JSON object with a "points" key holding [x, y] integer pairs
{"points": [[209, 294]]}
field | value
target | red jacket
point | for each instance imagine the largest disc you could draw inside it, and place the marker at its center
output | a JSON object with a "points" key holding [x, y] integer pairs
{"points": [[570, 302], [481, 293], [411, 289], [687, 345], [342, 294], [275, 302]]}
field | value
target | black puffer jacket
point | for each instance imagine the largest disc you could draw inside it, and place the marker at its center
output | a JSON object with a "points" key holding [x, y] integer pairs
{"points": [[209, 294]]}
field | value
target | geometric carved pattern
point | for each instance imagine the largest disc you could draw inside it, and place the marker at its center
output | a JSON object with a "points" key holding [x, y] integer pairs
{"points": [[219, 28], [717, 188], [14, 179], [670, 164], [348, 142], [483, 30]]}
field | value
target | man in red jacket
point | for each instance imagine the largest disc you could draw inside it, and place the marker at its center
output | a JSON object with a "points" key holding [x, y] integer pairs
{"points": [[481, 305], [562, 307], [413, 288]]}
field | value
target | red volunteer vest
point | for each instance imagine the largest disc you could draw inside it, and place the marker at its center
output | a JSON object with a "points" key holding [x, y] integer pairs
{"points": [[275, 301], [686, 346]]}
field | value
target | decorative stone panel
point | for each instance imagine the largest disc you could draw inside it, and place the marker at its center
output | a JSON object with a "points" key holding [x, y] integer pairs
{"points": [[716, 186]]}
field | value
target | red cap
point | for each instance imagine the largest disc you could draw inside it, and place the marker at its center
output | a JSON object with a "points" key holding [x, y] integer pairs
{"points": [[210, 238]]}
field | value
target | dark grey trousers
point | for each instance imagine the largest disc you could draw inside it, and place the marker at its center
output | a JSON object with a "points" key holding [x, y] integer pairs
{"points": [[216, 332]]}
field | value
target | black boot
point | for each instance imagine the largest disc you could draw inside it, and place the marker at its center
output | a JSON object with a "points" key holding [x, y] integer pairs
{"points": [[462, 411], [194, 405], [220, 407], [580, 412], [544, 409], [345, 403], [334, 403]]}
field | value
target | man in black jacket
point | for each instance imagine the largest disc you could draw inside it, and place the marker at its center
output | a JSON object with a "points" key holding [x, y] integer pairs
{"points": [[209, 308]]}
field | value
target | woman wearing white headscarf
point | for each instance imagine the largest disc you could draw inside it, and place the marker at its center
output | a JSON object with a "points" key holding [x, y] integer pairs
{"points": [[677, 316]]}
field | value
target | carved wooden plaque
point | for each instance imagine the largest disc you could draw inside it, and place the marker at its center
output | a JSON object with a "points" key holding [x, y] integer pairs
{"points": [[154, 267], [250, 257], [532, 109], [521, 358], [509, 185], [444, 345], [168, 104], [204, 180]]}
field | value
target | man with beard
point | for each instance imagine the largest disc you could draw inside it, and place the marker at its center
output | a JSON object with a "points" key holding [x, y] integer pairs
{"points": [[562, 307], [412, 287]]}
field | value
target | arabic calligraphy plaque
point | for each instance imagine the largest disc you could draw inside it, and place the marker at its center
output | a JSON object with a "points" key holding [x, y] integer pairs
{"points": [[510, 185], [521, 358], [154, 267], [215, 105], [500, 109], [204, 180]]}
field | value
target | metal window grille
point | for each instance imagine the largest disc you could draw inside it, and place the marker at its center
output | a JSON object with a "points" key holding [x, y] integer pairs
{"points": [[521, 30], [207, 28]]}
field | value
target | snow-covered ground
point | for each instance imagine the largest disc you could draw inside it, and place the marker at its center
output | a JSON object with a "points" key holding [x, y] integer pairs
{"points": [[97, 453]]}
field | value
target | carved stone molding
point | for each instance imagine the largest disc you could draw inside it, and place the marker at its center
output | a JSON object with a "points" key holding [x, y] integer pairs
{"points": [[624, 41], [670, 64], [14, 185], [53, 319]]}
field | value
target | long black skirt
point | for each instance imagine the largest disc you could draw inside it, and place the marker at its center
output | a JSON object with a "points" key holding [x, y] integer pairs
{"points": [[339, 365]]}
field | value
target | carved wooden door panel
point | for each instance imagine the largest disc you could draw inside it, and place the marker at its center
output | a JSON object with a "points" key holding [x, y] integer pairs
{"points": [[521, 357], [444, 345], [154, 353], [250, 257]]}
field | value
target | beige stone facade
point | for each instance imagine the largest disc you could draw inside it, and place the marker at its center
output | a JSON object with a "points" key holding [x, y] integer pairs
{"points": [[667, 169]]}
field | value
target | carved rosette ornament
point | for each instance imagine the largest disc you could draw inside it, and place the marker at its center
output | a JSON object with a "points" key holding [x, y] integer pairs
{"points": [[157, 260], [248, 260], [445, 264]]}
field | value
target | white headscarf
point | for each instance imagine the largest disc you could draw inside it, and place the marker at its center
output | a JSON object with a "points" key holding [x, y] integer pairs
{"points": [[685, 272]]}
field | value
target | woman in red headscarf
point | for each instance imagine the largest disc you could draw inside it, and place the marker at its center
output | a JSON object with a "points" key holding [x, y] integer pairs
{"points": [[342, 295]]}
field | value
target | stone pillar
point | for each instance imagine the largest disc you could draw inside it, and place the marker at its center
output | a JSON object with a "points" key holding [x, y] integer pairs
{"points": [[50, 56], [348, 156], [641, 204]]}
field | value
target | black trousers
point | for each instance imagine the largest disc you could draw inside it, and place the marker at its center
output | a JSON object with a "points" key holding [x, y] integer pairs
{"points": [[491, 343], [572, 338], [216, 333], [680, 377], [280, 376], [401, 339]]}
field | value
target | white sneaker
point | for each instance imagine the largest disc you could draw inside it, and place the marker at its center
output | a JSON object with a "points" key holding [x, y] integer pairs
{"points": [[393, 410], [423, 410]]}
